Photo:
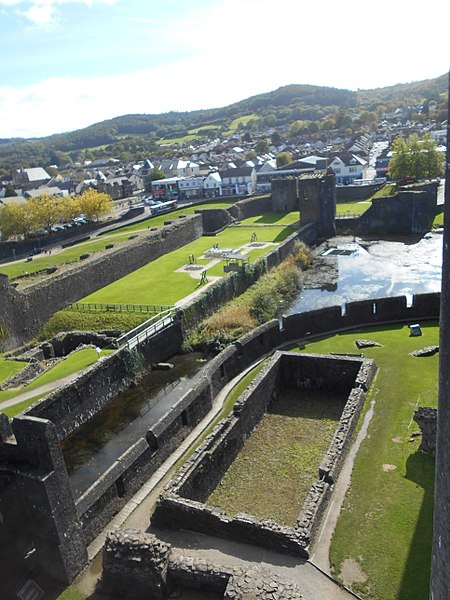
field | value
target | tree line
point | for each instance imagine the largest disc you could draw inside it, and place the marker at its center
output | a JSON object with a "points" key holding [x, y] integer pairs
{"points": [[22, 219]]}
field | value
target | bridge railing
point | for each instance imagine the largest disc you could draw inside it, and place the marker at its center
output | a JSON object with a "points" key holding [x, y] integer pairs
{"points": [[142, 332], [120, 308]]}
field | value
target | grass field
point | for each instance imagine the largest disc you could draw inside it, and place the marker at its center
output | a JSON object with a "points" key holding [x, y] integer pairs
{"points": [[77, 361], [352, 208], [121, 236], [273, 218], [386, 522], [282, 454], [8, 368], [159, 283]]}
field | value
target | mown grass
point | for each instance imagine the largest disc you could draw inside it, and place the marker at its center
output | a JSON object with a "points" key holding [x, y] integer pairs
{"points": [[273, 218], [77, 361], [8, 368], [117, 237], [282, 455], [159, 283], [70, 320], [386, 521], [352, 208], [260, 303]]}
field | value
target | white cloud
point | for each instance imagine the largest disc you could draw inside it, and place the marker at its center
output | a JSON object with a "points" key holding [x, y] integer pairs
{"points": [[228, 52], [44, 12]]}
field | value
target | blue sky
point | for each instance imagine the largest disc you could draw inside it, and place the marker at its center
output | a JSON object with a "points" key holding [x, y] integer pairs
{"points": [[69, 63]]}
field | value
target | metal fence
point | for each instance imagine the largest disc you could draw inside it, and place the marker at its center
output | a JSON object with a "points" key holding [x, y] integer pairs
{"points": [[120, 308]]}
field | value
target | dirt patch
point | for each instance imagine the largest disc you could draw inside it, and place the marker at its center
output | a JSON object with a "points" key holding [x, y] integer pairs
{"points": [[397, 440], [386, 468], [352, 572]]}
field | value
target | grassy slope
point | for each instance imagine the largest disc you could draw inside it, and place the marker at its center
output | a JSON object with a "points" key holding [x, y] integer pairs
{"points": [[386, 522], [77, 361], [352, 208], [8, 368]]}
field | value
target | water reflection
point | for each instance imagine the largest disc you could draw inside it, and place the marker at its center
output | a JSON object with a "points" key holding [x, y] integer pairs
{"points": [[374, 268], [94, 447]]}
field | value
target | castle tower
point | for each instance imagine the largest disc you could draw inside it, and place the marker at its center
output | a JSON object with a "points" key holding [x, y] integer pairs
{"points": [[440, 561]]}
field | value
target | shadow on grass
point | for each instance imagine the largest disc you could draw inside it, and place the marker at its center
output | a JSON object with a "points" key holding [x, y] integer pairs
{"points": [[284, 234], [309, 404], [416, 576], [270, 218]]}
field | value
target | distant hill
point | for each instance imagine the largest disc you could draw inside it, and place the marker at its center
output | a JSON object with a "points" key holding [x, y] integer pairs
{"points": [[137, 136]]}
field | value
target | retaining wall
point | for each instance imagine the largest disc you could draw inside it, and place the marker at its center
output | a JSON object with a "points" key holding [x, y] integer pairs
{"points": [[71, 406], [22, 314]]}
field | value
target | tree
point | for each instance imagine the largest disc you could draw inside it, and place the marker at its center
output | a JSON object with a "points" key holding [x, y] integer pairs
{"points": [[262, 147], [283, 158], [94, 204], [415, 158], [156, 173], [16, 220], [47, 210]]}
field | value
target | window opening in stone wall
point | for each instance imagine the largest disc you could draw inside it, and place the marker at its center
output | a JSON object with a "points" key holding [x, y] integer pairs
{"points": [[184, 418]]}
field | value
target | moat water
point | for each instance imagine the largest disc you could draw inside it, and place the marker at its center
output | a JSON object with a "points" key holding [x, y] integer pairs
{"points": [[103, 439], [373, 269], [365, 269]]}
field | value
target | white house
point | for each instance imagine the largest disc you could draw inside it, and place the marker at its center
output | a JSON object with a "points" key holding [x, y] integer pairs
{"points": [[212, 184], [239, 181], [348, 167]]}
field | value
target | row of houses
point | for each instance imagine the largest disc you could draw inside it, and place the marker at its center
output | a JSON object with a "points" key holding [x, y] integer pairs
{"points": [[187, 180], [251, 178]]}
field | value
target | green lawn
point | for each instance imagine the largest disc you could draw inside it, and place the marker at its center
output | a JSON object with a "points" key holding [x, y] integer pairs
{"points": [[386, 522], [352, 208], [8, 368], [282, 454], [273, 218], [96, 244], [77, 361], [159, 283]]}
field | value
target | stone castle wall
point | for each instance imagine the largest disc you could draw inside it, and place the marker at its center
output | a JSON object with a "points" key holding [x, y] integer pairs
{"points": [[85, 397], [22, 314], [182, 503]]}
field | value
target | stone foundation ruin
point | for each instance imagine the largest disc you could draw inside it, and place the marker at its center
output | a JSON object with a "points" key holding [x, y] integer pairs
{"points": [[182, 505], [32, 469], [140, 566]]}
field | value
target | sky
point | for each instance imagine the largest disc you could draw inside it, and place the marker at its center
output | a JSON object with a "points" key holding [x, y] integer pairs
{"points": [[66, 64]]}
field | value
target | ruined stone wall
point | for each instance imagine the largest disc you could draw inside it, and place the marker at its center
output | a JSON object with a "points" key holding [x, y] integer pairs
{"points": [[36, 304], [182, 503], [285, 195], [250, 207], [214, 220], [355, 193], [140, 566], [410, 211], [72, 405]]}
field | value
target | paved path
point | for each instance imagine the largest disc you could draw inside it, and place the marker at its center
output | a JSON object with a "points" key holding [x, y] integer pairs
{"points": [[320, 554], [43, 389]]}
